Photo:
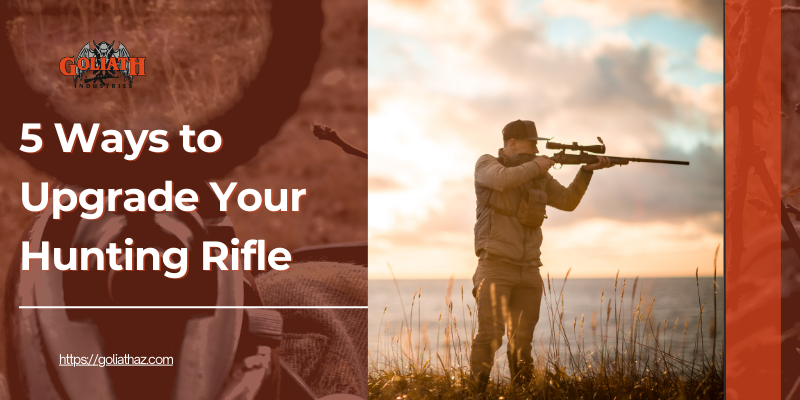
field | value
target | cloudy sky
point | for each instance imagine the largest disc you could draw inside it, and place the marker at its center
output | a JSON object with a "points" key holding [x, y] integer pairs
{"points": [[445, 76]]}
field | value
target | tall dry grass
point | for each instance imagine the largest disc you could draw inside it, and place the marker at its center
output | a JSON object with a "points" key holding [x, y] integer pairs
{"points": [[633, 357]]}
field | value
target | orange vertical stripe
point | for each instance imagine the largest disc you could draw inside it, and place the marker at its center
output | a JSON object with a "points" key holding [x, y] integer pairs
{"points": [[752, 172]]}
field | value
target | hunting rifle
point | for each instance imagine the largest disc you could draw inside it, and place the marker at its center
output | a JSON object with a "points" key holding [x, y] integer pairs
{"points": [[585, 158]]}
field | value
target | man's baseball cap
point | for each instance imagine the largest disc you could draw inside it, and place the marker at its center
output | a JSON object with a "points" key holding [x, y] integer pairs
{"points": [[520, 129]]}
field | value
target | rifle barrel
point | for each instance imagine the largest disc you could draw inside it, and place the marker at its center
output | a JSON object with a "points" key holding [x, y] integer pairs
{"points": [[651, 160]]}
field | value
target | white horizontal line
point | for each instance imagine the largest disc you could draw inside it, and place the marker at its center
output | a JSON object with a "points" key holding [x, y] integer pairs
{"points": [[180, 307]]}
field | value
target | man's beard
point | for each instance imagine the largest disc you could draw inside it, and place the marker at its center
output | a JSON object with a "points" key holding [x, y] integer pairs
{"points": [[515, 160]]}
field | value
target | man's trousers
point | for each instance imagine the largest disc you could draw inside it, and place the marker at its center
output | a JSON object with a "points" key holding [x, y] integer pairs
{"points": [[505, 295]]}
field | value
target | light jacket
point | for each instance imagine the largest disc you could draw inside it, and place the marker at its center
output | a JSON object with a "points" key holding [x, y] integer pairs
{"points": [[504, 238]]}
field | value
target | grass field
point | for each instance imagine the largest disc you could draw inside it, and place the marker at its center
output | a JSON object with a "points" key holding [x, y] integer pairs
{"points": [[591, 359]]}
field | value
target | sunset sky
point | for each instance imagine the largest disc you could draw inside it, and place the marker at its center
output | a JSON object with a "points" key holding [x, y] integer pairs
{"points": [[446, 76]]}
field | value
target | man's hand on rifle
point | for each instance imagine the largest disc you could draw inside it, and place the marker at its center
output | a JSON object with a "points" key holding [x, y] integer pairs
{"points": [[544, 163], [603, 163]]}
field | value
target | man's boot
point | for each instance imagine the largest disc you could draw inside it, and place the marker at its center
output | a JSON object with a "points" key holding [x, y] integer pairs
{"points": [[521, 373], [481, 380]]}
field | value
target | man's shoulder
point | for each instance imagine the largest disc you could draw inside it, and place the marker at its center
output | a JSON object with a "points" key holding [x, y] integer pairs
{"points": [[483, 165], [486, 158]]}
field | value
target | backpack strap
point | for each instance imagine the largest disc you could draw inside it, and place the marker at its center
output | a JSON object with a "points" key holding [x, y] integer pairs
{"points": [[498, 209]]}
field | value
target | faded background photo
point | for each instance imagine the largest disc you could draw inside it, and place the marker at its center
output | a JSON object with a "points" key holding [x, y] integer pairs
{"points": [[202, 55]]}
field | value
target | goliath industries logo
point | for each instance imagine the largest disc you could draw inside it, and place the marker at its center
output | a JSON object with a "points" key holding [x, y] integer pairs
{"points": [[103, 64]]}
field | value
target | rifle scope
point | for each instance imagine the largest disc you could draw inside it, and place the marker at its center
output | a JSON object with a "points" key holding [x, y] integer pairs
{"points": [[598, 148]]}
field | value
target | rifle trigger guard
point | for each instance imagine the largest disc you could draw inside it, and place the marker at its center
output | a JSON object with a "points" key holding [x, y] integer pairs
{"points": [[559, 166]]}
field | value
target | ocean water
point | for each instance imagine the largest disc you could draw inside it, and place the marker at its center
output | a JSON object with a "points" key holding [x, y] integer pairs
{"points": [[675, 298]]}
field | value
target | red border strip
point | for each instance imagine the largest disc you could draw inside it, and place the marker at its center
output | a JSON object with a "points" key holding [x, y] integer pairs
{"points": [[752, 184]]}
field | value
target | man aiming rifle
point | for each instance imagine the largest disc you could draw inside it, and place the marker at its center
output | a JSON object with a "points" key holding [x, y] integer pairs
{"points": [[512, 191]]}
